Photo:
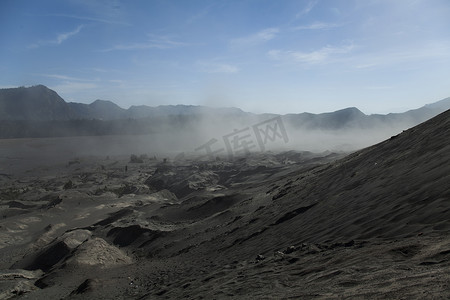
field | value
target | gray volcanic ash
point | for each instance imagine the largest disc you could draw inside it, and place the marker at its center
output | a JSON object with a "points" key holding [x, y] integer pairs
{"points": [[372, 224]]}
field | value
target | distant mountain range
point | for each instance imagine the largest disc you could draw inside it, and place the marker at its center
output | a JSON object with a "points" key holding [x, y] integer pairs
{"points": [[38, 111], [39, 103]]}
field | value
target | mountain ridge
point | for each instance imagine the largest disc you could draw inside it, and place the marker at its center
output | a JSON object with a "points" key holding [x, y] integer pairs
{"points": [[106, 109], [38, 111]]}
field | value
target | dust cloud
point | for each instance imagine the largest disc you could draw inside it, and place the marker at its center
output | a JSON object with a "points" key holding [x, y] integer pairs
{"points": [[205, 136]]}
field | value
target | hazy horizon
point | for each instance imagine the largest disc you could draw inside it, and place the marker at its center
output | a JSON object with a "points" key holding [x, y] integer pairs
{"points": [[130, 105]]}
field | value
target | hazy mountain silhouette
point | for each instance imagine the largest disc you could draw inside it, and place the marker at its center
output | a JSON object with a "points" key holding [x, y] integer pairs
{"points": [[332, 120], [143, 111], [35, 103], [20, 106], [99, 109]]}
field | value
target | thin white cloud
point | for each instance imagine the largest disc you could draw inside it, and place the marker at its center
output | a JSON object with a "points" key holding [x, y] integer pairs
{"points": [[8, 86], [309, 6], [153, 42], [100, 70], [432, 51], [87, 18], [371, 59], [117, 81], [379, 87], [64, 36], [63, 77], [266, 35], [316, 26], [365, 65], [212, 67], [106, 11], [69, 87], [255, 39], [194, 18], [320, 56], [59, 39]]}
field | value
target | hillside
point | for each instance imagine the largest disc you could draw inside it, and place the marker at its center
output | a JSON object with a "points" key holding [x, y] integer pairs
{"points": [[373, 224]]}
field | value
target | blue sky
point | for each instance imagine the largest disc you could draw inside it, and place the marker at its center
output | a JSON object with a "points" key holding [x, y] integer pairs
{"points": [[280, 56]]}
